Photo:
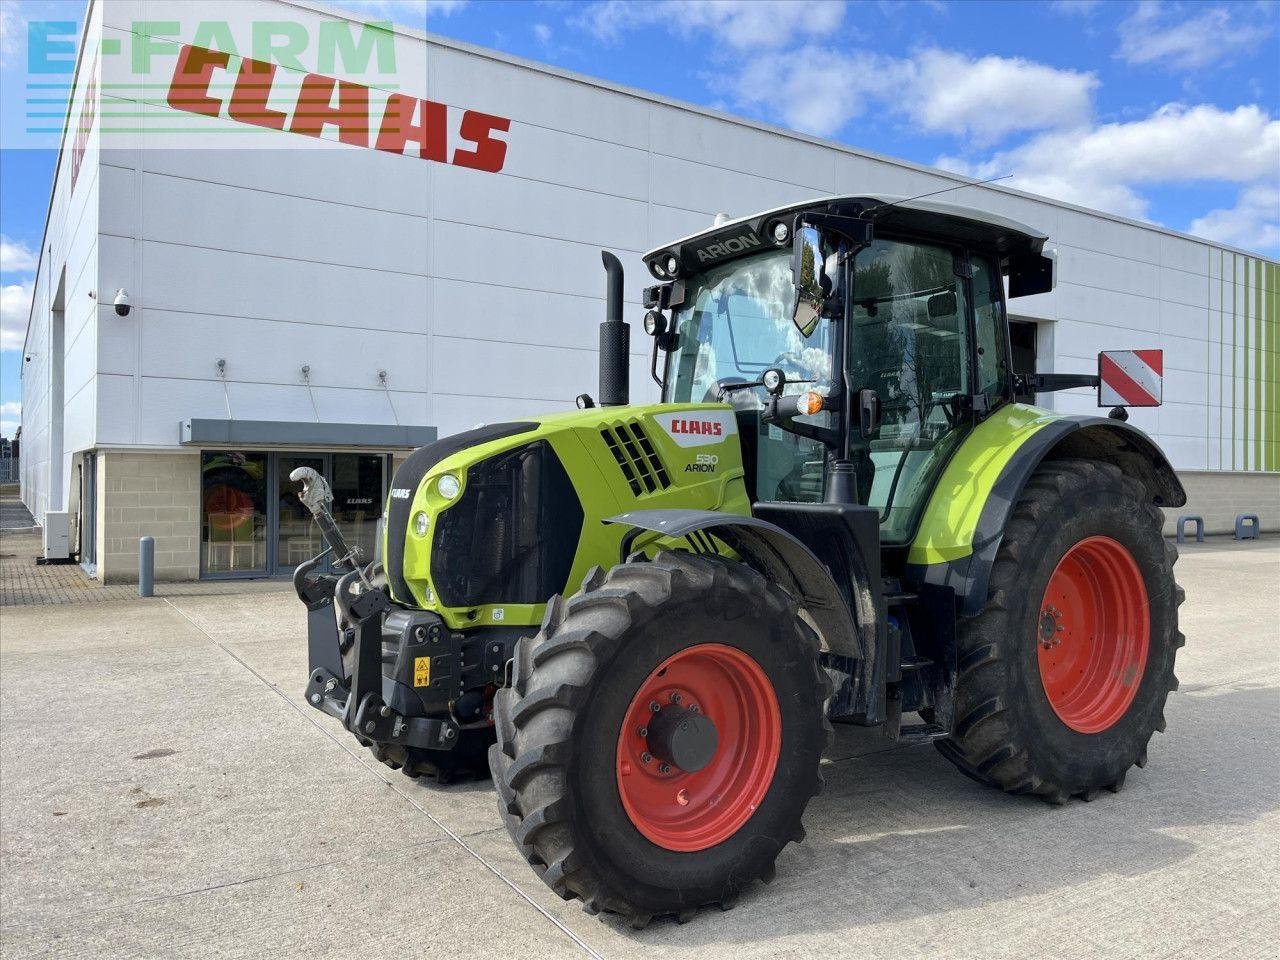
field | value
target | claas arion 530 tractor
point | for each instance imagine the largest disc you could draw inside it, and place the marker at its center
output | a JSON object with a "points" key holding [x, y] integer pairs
{"points": [[647, 617]]}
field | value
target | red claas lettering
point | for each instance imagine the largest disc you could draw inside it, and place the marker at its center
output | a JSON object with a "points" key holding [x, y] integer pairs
{"points": [[403, 122], [706, 428]]}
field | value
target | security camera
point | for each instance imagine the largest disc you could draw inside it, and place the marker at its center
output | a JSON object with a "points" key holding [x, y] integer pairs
{"points": [[27, 358], [122, 304]]}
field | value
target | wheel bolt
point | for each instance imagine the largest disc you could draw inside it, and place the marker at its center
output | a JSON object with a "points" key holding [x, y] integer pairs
{"points": [[693, 708], [642, 732], [646, 758], [664, 768], [654, 706], [676, 698]]}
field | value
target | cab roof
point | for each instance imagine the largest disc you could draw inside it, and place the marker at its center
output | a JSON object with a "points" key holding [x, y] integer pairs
{"points": [[922, 216]]}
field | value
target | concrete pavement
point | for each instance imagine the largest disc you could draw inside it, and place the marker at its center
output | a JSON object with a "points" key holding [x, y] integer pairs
{"points": [[164, 792]]}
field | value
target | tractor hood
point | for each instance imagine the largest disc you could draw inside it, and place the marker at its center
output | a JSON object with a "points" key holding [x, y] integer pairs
{"points": [[485, 525]]}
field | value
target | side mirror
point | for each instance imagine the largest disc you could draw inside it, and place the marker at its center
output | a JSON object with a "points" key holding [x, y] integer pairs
{"points": [[808, 275], [942, 306], [868, 412]]}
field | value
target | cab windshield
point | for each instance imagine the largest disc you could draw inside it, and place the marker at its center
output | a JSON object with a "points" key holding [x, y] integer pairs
{"points": [[735, 323]]}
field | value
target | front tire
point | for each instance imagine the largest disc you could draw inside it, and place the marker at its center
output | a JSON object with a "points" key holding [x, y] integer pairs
{"points": [[1062, 679], [683, 660]]}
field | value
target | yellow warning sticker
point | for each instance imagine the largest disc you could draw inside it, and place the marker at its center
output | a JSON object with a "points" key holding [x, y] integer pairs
{"points": [[422, 671]]}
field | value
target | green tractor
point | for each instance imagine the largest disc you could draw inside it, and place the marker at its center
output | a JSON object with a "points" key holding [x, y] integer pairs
{"points": [[644, 619]]}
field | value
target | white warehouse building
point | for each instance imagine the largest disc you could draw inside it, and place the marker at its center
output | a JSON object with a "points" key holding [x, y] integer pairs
{"points": [[311, 283]]}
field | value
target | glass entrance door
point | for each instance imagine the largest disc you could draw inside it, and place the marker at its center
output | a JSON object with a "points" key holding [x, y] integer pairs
{"points": [[234, 511], [253, 523], [358, 484], [297, 534]]}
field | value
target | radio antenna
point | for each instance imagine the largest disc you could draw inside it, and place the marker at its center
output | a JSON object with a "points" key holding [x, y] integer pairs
{"points": [[957, 186]]}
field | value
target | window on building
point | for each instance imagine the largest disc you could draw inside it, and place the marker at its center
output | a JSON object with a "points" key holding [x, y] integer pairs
{"points": [[233, 515], [357, 497]]}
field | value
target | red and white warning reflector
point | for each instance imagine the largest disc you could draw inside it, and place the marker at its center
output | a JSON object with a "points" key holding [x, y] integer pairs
{"points": [[1130, 378]]}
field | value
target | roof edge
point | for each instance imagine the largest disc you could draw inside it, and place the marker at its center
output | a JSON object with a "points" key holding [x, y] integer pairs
{"points": [[489, 53]]}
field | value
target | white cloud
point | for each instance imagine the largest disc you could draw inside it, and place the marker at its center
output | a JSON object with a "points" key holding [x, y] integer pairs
{"points": [[15, 307], [1076, 8], [1100, 166], [10, 409], [1156, 34], [818, 90], [993, 96], [742, 24], [12, 26], [16, 257], [542, 33], [812, 89], [395, 9], [1253, 223]]}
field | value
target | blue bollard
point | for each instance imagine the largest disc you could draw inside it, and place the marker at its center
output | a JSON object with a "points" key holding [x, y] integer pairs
{"points": [[1243, 529], [1182, 527], [147, 567]]}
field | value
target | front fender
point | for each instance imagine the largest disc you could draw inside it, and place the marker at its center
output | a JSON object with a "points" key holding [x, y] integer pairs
{"points": [[776, 554], [975, 498]]}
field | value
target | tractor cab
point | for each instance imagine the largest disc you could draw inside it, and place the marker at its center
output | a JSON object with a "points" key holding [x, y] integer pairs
{"points": [[886, 318]]}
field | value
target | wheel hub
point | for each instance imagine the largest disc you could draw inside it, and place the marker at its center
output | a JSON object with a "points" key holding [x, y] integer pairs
{"points": [[1049, 627], [682, 738], [698, 747], [1094, 633]]}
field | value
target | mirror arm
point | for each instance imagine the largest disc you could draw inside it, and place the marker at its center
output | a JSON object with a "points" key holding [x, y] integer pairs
{"points": [[828, 437], [653, 367], [1050, 382], [857, 231]]}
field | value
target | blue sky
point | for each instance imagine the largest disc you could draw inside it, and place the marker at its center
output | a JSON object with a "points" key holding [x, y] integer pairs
{"points": [[1164, 111]]}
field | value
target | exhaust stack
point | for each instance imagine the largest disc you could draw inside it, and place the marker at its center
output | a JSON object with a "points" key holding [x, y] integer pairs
{"points": [[615, 340]]}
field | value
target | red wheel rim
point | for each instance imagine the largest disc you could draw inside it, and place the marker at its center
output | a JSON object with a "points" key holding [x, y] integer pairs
{"points": [[692, 810], [1093, 634]]}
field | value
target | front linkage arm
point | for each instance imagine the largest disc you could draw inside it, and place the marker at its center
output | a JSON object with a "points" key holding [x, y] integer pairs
{"points": [[357, 700]]}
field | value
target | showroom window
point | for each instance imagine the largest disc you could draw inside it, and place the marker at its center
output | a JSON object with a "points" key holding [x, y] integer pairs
{"points": [[252, 523], [233, 498]]}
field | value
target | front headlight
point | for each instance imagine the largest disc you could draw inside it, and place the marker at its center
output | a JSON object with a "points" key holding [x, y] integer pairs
{"points": [[421, 523], [449, 486]]}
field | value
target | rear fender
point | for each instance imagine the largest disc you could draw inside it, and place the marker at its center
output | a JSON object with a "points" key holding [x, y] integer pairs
{"points": [[1095, 438]]}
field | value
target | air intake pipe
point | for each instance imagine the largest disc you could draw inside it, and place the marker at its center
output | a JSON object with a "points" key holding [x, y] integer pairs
{"points": [[615, 340]]}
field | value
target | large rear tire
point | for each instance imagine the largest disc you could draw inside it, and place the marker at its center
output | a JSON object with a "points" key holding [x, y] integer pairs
{"points": [[662, 736], [1063, 677]]}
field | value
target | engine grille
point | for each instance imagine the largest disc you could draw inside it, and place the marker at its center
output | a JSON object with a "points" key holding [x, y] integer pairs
{"points": [[637, 459], [512, 536]]}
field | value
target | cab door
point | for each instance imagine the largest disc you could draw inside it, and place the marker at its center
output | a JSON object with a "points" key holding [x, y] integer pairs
{"points": [[909, 340]]}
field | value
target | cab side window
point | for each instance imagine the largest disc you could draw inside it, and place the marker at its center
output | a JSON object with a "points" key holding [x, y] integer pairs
{"points": [[989, 324]]}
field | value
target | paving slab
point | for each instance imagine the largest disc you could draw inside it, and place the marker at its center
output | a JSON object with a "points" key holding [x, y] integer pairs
{"points": [[269, 833], [268, 634], [415, 902]]}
